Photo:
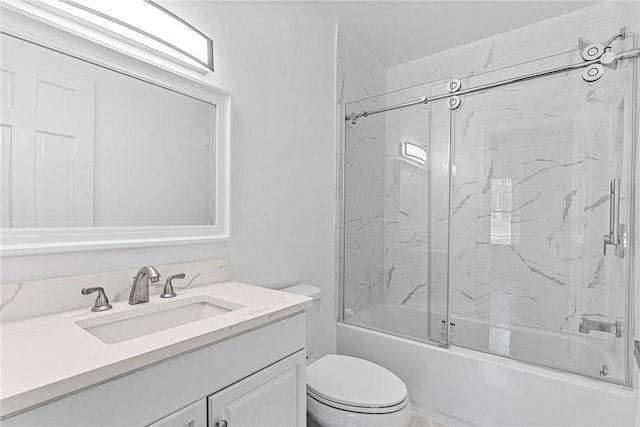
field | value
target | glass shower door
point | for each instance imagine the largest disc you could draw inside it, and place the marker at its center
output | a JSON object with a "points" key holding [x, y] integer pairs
{"points": [[531, 202], [395, 186]]}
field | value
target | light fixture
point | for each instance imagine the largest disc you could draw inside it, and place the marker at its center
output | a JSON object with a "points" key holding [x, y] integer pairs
{"points": [[142, 23], [413, 152]]}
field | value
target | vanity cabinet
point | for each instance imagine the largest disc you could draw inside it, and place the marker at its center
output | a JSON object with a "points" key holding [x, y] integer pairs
{"points": [[274, 396], [254, 378]]}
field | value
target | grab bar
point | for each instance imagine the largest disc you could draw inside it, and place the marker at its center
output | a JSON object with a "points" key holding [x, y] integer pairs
{"points": [[614, 237]]}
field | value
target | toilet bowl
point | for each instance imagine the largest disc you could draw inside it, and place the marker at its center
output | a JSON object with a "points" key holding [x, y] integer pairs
{"points": [[348, 391]]}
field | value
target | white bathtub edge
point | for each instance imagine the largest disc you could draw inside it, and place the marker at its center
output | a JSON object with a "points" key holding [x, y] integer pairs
{"points": [[487, 389]]}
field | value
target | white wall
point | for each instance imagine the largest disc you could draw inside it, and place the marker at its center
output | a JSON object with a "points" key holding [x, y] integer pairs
{"points": [[278, 60]]}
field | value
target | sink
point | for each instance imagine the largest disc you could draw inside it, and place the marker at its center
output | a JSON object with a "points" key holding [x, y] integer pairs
{"points": [[134, 323]]}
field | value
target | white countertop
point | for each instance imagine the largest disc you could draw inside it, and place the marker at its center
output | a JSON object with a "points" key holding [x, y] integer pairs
{"points": [[46, 357]]}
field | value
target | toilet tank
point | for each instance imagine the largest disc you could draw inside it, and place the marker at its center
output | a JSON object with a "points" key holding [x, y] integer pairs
{"points": [[312, 314]]}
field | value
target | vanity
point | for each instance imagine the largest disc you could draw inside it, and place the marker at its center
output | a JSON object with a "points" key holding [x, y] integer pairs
{"points": [[244, 364]]}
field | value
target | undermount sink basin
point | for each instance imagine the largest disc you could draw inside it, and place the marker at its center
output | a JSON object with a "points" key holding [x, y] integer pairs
{"points": [[119, 327]]}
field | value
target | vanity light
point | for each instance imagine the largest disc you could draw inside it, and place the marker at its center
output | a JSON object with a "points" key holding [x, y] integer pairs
{"points": [[142, 23], [414, 152]]}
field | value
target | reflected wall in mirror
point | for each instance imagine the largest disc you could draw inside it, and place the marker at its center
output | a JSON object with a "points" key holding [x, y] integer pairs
{"points": [[86, 146]]}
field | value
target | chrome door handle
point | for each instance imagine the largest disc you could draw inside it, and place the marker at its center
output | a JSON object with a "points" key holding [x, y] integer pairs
{"points": [[615, 227], [609, 238], [614, 236]]}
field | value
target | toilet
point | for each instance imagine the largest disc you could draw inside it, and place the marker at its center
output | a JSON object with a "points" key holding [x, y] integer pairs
{"points": [[348, 391]]}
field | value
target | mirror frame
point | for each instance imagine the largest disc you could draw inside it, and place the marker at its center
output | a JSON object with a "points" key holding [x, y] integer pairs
{"points": [[28, 22]]}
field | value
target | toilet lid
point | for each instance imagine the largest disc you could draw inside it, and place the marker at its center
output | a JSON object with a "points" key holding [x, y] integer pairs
{"points": [[354, 382]]}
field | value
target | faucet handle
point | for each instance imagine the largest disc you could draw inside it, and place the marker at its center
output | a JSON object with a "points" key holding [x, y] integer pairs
{"points": [[102, 302], [168, 291]]}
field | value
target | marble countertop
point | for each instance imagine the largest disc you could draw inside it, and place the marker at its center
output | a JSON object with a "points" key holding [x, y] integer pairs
{"points": [[43, 358]]}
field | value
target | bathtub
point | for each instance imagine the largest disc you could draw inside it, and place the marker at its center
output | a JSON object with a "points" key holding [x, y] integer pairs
{"points": [[458, 386], [582, 354]]}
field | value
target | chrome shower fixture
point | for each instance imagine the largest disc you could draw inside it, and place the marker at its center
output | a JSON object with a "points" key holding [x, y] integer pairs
{"points": [[597, 57], [591, 51], [600, 52]]}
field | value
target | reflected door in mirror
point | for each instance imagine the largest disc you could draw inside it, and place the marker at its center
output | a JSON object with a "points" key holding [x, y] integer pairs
{"points": [[47, 143]]}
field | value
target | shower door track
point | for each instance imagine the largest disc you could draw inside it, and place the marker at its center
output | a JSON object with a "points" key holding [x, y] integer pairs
{"points": [[629, 54]]}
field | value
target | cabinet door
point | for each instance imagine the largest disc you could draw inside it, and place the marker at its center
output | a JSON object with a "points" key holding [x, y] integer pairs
{"points": [[274, 396], [192, 416]]}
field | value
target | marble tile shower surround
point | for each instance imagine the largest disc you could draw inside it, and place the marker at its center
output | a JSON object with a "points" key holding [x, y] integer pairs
{"points": [[530, 43], [389, 209], [360, 74], [363, 213], [409, 265], [555, 272], [417, 196], [531, 201], [37, 298]]}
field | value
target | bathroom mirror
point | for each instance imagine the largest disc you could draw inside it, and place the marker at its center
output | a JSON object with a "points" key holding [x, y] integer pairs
{"points": [[97, 153]]}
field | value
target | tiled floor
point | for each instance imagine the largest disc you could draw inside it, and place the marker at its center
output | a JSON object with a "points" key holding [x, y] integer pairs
{"points": [[421, 421]]}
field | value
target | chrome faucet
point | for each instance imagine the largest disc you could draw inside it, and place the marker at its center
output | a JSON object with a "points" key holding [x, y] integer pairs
{"points": [[102, 302], [140, 288], [587, 326], [168, 291]]}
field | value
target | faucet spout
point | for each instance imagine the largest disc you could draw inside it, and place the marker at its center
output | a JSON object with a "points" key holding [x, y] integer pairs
{"points": [[588, 325], [140, 287]]}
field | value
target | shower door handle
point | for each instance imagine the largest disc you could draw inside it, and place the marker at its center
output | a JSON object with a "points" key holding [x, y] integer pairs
{"points": [[610, 238], [614, 237]]}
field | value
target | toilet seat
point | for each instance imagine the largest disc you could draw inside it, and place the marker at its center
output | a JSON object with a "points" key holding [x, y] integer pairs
{"points": [[357, 409], [355, 385]]}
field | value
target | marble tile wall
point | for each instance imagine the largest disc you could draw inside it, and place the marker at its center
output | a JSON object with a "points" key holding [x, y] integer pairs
{"points": [[520, 46], [415, 205], [360, 75], [532, 173], [529, 202], [40, 297]]}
